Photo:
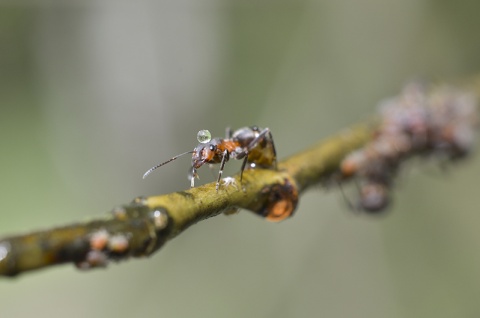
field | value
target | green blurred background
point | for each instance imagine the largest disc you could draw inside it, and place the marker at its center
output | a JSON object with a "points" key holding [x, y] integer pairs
{"points": [[94, 93]]}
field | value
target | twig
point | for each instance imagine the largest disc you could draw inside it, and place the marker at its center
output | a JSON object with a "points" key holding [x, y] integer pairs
{"points": [[143, 226], [419, 122]]}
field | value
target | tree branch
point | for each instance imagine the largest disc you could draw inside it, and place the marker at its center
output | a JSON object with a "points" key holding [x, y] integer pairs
{"points": [[141, 227], [435, 121]]}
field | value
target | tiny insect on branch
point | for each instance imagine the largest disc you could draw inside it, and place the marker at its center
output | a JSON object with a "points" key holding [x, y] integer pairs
{"points": [[253, 145], [430, 121]]}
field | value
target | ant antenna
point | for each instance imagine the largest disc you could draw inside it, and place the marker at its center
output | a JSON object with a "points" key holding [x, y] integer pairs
{"points": [[163, 163]]}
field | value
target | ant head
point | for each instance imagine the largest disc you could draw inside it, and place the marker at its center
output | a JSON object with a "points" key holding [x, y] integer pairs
{"points": [[204, 153]]}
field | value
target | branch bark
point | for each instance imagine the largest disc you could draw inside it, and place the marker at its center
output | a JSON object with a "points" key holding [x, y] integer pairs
{"points": [[141, 227], [418, 122]]}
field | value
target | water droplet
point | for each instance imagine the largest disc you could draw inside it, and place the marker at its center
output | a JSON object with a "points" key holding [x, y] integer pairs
{"points": [[160, 219], [4, 250], [204, 136], [119, 213], [231, 210], [141, 200]]}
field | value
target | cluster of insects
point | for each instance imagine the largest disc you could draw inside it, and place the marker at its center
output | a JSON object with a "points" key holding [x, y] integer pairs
{"points": [[252, 144], [103, 246], [428, 121]]}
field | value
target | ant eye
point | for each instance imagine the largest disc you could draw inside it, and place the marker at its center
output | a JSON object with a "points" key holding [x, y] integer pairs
{"points": [[212, 147]]}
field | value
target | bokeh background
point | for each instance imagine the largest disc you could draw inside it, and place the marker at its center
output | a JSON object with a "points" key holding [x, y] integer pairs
{"points": [[94, 93]]}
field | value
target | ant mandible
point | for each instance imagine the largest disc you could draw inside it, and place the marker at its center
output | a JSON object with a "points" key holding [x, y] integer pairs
{"points": [[252, 144]]}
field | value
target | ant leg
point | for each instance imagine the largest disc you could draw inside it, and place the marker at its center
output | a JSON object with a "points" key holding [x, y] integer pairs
{"points": [[260, 136], [273, 149], [222, 164], [351, 206], [245, 151], [244, 164], [254, 142], [192, 180], [228, 133]]}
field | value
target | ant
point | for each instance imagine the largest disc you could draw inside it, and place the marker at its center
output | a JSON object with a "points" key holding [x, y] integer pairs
{"points": [[252, 144]]}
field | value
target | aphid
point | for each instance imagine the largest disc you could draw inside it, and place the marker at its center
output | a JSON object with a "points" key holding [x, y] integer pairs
{"points": [[118, 243], [374, 197], [252, 144], [99, 239], [440, 122]]}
